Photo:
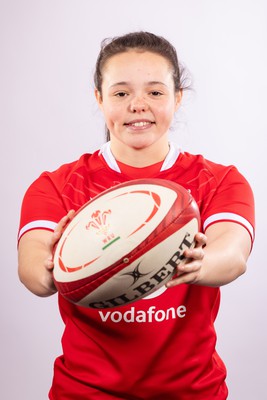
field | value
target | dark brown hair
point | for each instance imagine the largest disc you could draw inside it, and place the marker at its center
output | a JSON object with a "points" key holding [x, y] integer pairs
{"points": [[144, 41]]}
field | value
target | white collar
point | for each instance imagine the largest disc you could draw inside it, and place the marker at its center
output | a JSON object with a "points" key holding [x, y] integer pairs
{"points": [[169, 161]]}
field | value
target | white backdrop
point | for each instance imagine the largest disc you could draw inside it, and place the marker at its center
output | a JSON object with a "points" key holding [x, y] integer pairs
{"points": [[48, 117]]}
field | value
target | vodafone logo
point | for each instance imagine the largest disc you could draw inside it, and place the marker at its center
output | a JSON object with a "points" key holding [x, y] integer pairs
{"points": [[153, 314]]}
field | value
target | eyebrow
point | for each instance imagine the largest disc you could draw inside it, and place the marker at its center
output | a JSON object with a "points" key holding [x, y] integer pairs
{"points": [[123, 83]]}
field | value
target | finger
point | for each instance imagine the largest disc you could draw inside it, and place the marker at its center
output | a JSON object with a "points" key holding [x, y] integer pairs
{"points": [[61, 225], [193, 254], [71, 214], [49, 265], [188, 273], [183, 278], [192, 266], [200, 239], [64, 221]]}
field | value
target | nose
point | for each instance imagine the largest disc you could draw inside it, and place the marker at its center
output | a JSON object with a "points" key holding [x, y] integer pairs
{"points": [[138, 105]]}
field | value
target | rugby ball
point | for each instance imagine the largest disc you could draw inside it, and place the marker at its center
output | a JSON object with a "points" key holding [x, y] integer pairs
{"points": [[125, 243]]}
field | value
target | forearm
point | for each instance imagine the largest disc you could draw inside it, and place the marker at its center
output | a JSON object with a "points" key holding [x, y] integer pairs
{"points": [[33, 257], [221, 265], [219, 257]]}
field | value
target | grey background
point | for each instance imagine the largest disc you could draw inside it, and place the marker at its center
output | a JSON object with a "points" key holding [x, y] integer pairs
{"points": [[48, 116]]}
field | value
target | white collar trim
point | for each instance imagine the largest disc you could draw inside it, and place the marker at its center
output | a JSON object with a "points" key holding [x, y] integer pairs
{"points": [[108, 157], [169, 161]]}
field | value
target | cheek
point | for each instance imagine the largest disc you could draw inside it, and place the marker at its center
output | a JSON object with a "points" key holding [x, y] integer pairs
{"points": [[112, 114], [167, 113]]}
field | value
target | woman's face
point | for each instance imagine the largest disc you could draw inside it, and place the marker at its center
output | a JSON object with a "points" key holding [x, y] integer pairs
{"points": [[138, 99]]}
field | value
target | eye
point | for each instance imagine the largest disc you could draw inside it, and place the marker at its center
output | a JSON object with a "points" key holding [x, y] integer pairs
{"points": [[120, 94], [156, 93]]}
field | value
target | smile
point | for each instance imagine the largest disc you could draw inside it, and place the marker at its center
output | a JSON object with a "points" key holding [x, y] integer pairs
{"points": [[140, 124]]}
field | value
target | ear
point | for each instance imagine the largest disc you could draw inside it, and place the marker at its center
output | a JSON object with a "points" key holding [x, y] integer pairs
{"points": [[98, 98], [178, 96]]}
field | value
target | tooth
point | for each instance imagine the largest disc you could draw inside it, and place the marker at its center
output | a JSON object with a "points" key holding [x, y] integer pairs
{"points": [[140, 123]]}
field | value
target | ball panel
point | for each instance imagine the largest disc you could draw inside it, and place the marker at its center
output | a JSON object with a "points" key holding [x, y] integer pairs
{"points": [[112, 227], [141, 277]]}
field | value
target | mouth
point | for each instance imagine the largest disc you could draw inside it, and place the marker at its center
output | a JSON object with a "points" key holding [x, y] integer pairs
{"points": [[139, 124]]}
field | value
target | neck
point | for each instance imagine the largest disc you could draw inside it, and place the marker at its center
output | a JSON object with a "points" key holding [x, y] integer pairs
{"points": [[139, 157]]}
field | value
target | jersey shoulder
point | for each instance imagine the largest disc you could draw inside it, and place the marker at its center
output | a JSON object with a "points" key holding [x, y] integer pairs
{"points": [[197, 162], [221, 191], [88, 162]]}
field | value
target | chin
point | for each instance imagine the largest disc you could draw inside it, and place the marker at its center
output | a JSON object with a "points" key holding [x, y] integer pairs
{"points": [[141, 142]]}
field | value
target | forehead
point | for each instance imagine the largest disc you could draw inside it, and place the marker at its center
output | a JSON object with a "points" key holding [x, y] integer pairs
{"points": [[136, 61]]}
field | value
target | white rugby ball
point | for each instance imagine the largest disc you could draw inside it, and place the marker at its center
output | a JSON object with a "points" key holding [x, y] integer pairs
{"points": [[125, 243]]}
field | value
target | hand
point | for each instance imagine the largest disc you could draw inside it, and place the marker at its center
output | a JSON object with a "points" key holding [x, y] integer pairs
{"points": [[49, 265], [35, 258], [190, 270]]}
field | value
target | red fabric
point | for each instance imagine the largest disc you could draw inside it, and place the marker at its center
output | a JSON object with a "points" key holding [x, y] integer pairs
{"points": [[157, 348]]}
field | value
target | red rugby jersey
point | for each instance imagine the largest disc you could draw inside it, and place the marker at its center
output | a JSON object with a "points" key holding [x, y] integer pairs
{"points": [[161, 347]]}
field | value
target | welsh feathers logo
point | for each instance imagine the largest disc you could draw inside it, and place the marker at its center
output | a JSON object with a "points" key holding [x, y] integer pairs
{"points": [[99, 224], [98, 221]]}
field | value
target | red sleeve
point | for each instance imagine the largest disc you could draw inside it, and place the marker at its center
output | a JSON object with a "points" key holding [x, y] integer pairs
{"points": [[231, 200], [42, 206]]}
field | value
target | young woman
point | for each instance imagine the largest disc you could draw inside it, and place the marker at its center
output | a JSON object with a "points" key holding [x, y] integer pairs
{"points": [[138, 87]]}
